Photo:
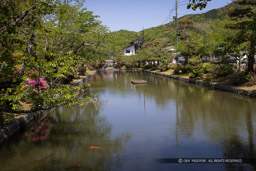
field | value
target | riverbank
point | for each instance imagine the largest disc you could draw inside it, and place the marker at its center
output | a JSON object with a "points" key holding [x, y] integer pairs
{"points": [[18, 121], [242, 90]]}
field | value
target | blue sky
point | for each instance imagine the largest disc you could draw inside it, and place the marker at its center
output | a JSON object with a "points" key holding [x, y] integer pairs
{"points": [[133, 15]]}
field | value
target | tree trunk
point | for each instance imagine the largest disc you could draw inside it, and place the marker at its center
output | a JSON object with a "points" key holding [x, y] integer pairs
{"points": [[186, 60], [252, 51]]}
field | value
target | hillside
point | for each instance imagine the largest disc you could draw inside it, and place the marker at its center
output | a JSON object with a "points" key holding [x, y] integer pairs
{"points": [[167, 31], [122, 38]]}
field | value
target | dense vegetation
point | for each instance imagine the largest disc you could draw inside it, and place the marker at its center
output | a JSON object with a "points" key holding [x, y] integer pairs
{"points": [[43, 45]]}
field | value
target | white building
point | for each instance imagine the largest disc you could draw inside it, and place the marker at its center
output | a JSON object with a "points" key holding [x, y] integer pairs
{"points": [[133, 47], [129, 50]]}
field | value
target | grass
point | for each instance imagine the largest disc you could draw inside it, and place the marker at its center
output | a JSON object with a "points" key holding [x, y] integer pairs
{"points": [[168, 72]]}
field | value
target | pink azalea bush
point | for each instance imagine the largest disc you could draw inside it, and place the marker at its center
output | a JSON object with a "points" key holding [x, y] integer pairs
{"points": [[31, 82]]}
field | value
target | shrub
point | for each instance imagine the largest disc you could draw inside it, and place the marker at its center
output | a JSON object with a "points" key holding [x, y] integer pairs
{"points": [[240, 78], [195, 67], [251, 78], [184, 70], [180, 69], [208, 67], [192, 75], [189, 68], [82, 70], [153, 67], [197, 72], [222, 70], [140, 65], [208, 78], [146, 67], [32, 83], [164, 67], [195, 60], [177, 70]]}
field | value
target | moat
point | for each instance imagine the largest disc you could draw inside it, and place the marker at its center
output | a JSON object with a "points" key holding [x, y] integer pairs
{"points": [[135, 125]]}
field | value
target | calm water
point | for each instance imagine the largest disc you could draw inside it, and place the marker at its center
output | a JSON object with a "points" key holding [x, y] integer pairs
{"points": [[137, 124]]}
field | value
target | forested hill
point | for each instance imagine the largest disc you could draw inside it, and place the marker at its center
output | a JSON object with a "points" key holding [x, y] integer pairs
{"points": [[167, 32]]}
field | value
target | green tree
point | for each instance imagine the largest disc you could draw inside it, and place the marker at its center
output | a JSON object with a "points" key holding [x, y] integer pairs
{"points": [[244, 13], [187, 44], [41, 43]]}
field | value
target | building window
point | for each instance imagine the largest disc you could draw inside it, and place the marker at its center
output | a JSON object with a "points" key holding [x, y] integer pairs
{"points": [[127, 51]]}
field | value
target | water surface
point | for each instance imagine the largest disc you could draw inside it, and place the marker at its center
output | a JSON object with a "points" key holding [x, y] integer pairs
{"points": [[137, 124]]}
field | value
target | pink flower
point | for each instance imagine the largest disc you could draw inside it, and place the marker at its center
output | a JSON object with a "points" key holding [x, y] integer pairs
{"points": [[42, 83], [30, 81], [42, 80]]}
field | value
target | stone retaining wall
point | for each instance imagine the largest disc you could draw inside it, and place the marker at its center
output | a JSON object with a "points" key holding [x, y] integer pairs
{"points": [[211, 85]]}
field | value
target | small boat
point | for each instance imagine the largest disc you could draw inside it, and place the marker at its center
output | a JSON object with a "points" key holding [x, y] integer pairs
{"points": [[139, 81]]}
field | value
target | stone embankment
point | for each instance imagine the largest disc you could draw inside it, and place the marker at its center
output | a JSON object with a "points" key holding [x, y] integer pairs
{"points": [[216, 86]]}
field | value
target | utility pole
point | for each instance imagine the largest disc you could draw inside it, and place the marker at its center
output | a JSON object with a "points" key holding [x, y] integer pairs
{"points": [[176, 20], [143, 35]]}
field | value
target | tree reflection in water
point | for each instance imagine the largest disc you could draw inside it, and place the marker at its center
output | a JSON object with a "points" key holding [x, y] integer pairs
{"points": [[68, 144], [213, 117], [167, 118]]}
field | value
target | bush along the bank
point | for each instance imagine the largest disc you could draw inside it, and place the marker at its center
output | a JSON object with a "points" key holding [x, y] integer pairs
{"points": [[251, 79], [239, 78], [222, 70], [180, 70], [147, 67], [164, 66], [195, 68]]}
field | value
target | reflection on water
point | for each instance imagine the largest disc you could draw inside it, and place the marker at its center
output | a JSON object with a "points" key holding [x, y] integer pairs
{"points": [[39, 132], [140, 123], [202, 122], [69, 145]]}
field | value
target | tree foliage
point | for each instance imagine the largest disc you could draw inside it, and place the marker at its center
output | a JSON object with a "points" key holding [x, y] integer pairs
{"points": [[45, 40]]}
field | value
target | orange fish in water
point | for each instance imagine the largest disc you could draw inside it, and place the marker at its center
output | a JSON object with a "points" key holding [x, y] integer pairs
{"points": [[94, 147], [75, 166], [78, 165]]}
